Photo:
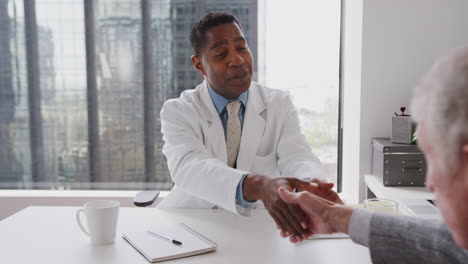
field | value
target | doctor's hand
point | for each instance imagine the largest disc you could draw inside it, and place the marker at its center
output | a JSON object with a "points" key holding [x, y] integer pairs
{"points": [[324, 215], [288, 217], [324, 190]]}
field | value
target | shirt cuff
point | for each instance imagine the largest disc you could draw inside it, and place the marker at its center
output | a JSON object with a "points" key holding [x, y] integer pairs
{"points": [[240, 197], [359, 226]]}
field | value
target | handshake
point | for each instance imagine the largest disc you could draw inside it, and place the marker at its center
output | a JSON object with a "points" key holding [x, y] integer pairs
{"points": [[299, 208]]}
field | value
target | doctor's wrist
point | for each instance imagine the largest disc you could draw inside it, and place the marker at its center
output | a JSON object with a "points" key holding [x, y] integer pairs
{"points": [[253, 186]]}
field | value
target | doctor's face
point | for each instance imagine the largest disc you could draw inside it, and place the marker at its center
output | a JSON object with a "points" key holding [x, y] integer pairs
{"points": [[450, 186], [225, 60]]}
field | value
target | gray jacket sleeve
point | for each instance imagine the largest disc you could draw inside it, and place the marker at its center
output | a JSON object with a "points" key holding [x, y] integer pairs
{"points": [[359, 226], [401, 239]]}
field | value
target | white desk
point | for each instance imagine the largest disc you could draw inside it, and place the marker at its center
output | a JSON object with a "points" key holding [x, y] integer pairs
{"points": [[395, 193], [50, 235]]}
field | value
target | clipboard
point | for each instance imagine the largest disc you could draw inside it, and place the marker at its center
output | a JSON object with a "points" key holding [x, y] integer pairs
{"points": [[156, 250]]}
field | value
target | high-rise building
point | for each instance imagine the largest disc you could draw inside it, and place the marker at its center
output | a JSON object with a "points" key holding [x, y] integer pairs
{"points": [[184, 13], [162, 77], [15, 159], [10, 167], [120, 91]]}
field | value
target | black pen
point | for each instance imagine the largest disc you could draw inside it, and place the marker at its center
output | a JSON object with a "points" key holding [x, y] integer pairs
{"points": [[173, 241]]}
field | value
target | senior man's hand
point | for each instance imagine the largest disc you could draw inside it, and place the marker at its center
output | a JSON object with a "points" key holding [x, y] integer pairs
{"points": [[325, 216], [288, 217]]}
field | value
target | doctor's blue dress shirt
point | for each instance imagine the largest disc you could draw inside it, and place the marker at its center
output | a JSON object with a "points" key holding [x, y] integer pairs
{"points": [[220, 103]]}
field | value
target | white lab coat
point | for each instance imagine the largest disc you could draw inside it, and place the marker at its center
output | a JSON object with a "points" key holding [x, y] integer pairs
{"points": [[272, 144]]}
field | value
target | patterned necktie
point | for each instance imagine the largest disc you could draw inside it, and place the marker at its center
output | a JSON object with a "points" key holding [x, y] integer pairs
{"points": [[233, 132]]}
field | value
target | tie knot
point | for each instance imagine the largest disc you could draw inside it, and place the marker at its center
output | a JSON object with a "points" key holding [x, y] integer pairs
{"points": [[233, 107]]}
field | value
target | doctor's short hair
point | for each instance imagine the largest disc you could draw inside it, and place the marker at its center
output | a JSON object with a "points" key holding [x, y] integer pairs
{"points": [[441, 102], [203, 24]]}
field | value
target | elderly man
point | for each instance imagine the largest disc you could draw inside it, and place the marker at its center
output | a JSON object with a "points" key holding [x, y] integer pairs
{"points": [[230, 142], [440, 105]]}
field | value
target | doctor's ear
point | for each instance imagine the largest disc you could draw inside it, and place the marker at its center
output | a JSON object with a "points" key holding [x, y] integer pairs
{"points": [[197, 63]]}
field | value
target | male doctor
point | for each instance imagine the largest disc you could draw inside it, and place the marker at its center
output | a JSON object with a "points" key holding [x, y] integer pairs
{"points": [[231, 142]]}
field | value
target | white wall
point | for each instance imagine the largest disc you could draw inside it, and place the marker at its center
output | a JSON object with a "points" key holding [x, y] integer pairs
{"points": [[400, 40]]}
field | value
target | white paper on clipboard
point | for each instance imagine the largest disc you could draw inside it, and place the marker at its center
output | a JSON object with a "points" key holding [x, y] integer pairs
{"points": [[330, 236]]}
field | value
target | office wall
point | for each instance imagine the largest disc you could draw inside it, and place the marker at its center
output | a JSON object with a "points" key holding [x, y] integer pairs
{"points": [[400, 40]]}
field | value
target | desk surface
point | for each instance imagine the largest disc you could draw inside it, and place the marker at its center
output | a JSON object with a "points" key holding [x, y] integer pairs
{"points": [[50, 235], [376, 186]]}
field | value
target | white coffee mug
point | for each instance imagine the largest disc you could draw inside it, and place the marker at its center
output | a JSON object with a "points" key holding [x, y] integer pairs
{"points": [[101, 219]]}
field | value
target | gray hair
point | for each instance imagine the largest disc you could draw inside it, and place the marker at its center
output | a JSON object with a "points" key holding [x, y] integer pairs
{"points": [[441, 102]]}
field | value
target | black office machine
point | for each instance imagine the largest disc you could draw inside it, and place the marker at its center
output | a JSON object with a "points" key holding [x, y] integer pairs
{"points": [[398, 164]]}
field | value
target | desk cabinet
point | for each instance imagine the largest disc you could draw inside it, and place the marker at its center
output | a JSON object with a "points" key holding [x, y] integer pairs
{"points": [[398, 164]]}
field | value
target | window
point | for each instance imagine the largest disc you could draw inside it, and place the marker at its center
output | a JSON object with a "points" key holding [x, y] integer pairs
{"points": [[180, 27], [55, 111], [54, 136], [302, 48]]}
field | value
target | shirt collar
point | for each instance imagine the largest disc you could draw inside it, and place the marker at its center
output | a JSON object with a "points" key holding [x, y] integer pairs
{"points": [[220, 102]]}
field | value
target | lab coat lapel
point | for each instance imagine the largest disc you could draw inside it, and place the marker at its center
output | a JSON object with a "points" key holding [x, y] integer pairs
{"points": [[214, 132], [252, 129]]}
